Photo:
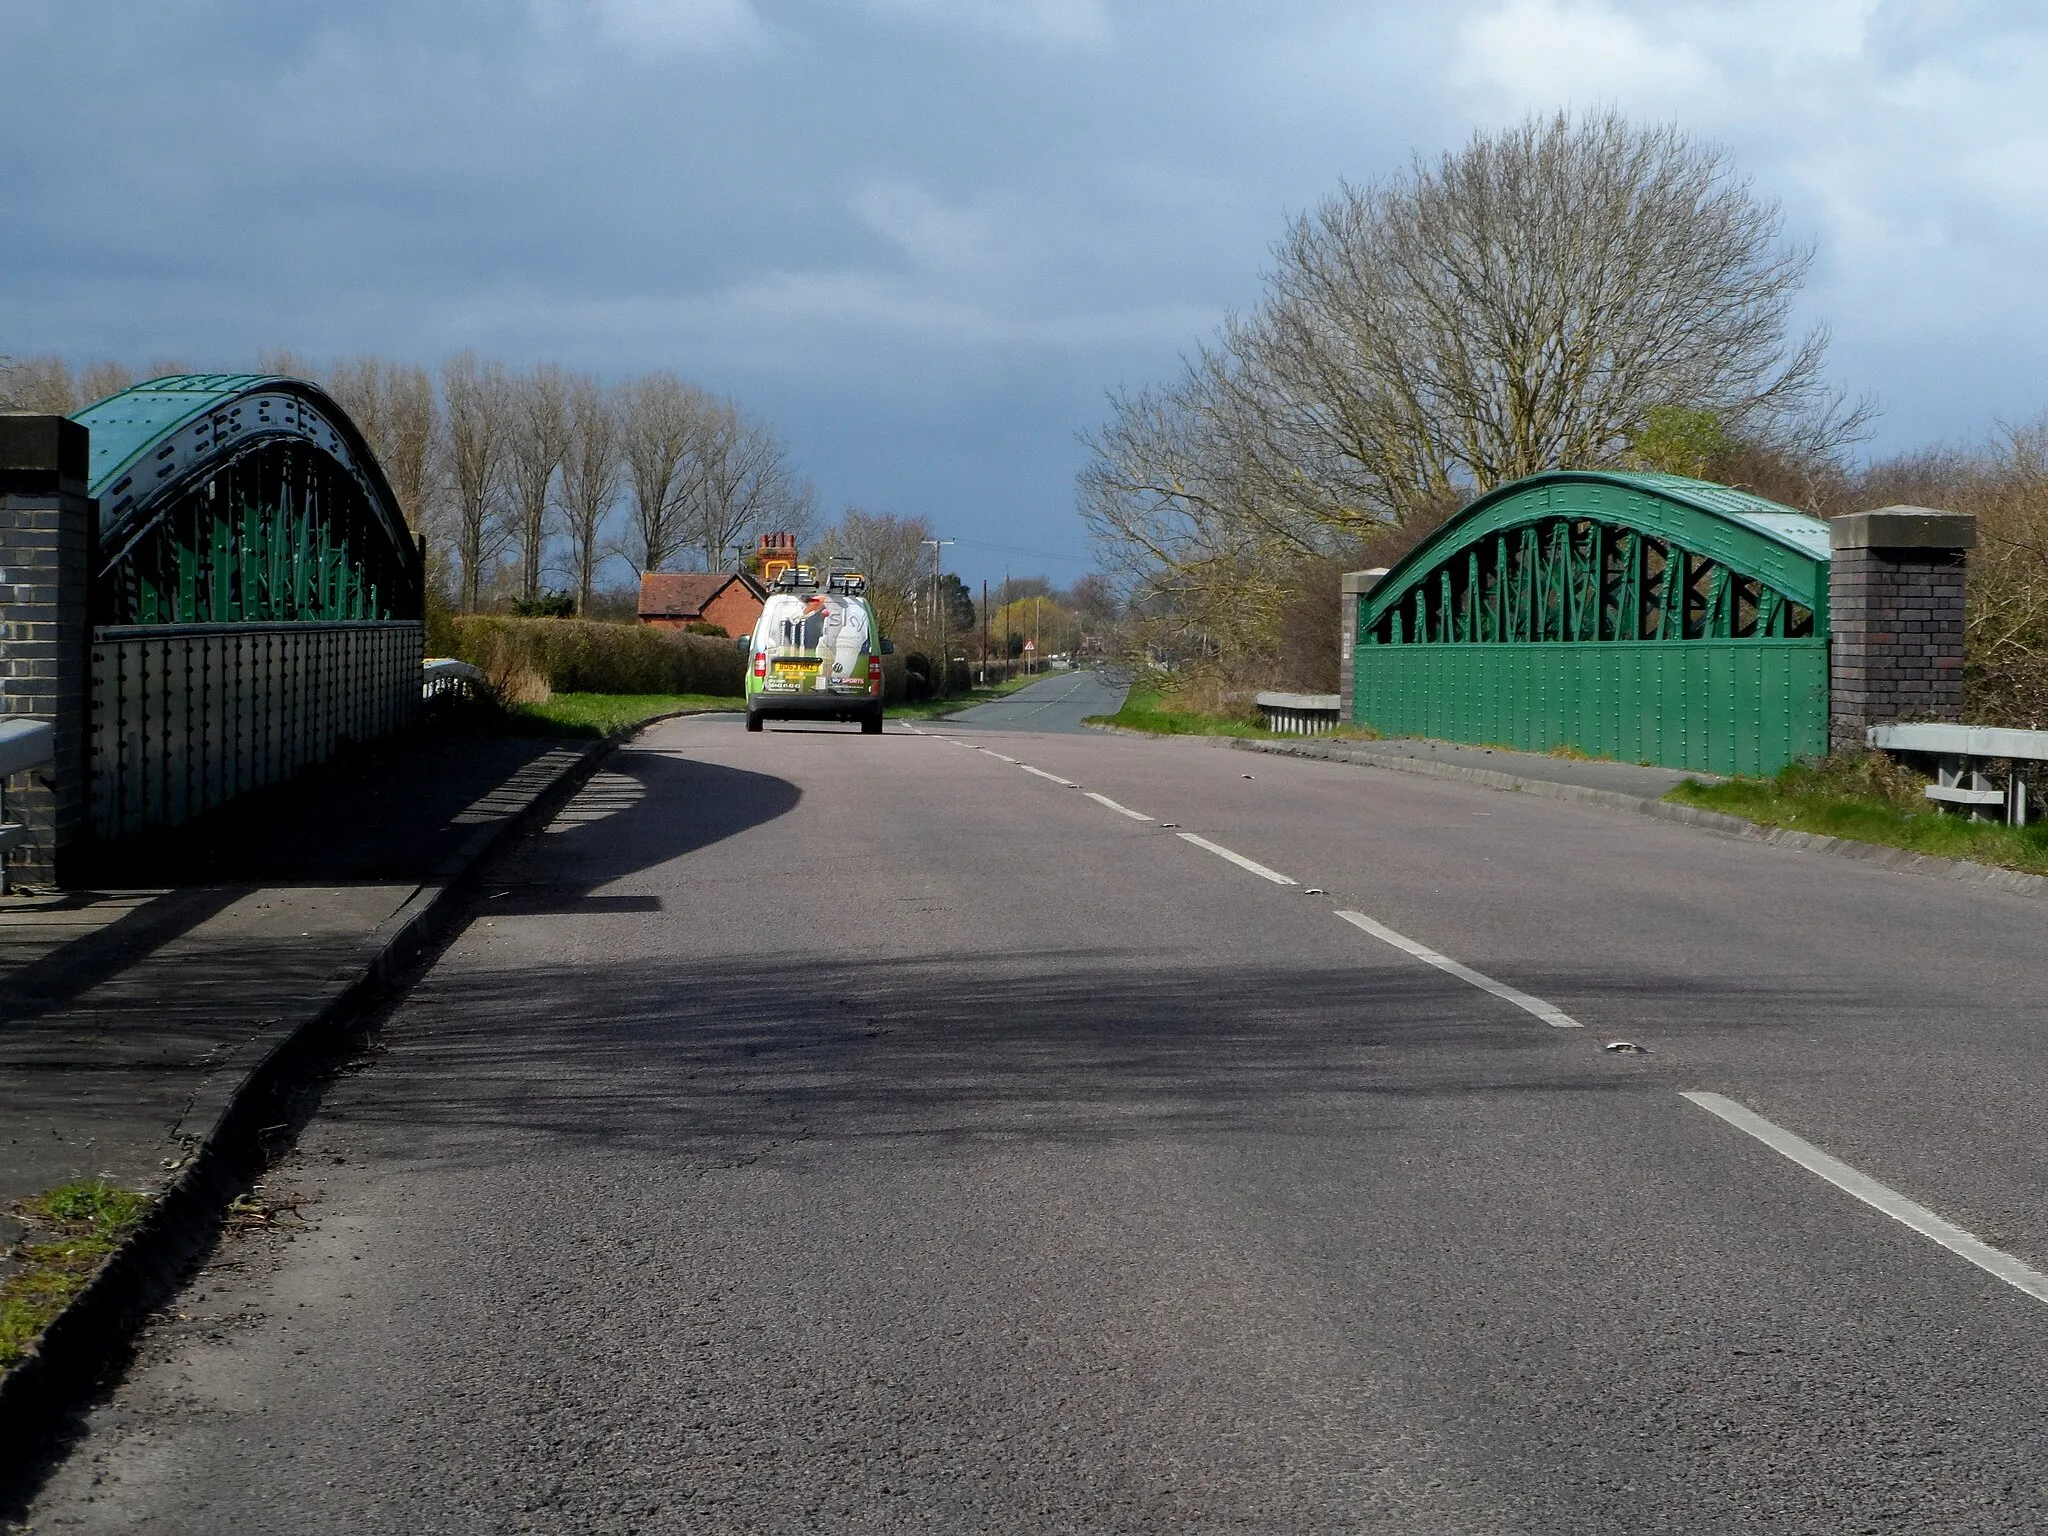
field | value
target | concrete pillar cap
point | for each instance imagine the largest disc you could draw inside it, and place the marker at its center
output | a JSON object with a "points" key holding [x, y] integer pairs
{"points": [[1358, 583], [1903, 528]]}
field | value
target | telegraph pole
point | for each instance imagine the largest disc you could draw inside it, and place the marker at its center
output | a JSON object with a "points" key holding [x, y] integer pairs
{"points": [[984, 631], [938, 617]]}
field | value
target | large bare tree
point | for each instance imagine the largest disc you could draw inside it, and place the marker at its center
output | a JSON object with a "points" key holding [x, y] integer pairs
{"points": [[478, 399], [890, 551], [741, 483], [590, 478], [662, 425], [393, 405], [539, 438], [1530, 301]]}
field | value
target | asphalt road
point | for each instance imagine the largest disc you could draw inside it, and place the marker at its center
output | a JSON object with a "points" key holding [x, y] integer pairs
{"points": [[1058, 704], [825, 1133]]}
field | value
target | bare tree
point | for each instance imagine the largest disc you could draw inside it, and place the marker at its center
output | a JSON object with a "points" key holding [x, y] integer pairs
{"points": [[1524, 304], [479, 406], [539, 438], [741, 483], [99, 380], [590, 477], [663, 423], [1531, 301], [889, 551], [393, 406], [41, 384]]}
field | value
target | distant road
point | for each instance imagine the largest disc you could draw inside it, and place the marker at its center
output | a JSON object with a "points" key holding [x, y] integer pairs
{"points": [[1060, 703]]}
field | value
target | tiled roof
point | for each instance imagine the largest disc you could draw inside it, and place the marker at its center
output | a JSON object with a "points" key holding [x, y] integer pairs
{"points": [[682, 594]]}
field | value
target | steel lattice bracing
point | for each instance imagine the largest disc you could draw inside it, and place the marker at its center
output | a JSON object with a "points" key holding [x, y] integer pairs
{"points": [[242, 498], [1643, 617]]}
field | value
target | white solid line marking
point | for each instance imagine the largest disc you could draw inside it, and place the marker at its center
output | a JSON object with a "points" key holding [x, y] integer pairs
{"points": [[1238, 859], [1044, 775], [1121, 810], [1991, 1260], [1556, 1018]]}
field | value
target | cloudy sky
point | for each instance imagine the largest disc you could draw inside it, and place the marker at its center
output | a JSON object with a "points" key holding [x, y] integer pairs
{"points": [[925, 236]]}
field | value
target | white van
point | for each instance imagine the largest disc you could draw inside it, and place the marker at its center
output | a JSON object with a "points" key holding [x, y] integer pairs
{"points": [[814, 654]]}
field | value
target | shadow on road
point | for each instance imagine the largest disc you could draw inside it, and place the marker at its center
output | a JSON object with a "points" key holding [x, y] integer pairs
{"points": [[717, 1060]]}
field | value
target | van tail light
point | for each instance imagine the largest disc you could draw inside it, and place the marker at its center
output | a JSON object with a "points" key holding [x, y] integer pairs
{"points": [[874, 674], [760, 663]]}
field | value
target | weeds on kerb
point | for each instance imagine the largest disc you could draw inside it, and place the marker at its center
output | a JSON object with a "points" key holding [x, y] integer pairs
{"points": [[72, 1229]]}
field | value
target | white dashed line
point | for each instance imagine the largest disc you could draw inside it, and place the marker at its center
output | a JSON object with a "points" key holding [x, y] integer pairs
{"points": [[1069, 783], [1238, 859], [992, 752], [1121, 810], [1992, 1261], [1555, 1017]]}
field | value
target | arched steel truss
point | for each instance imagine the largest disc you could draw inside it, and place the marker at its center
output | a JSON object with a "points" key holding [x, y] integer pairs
{"points": [[1642, 617], [243, 498], [1577, 557]]}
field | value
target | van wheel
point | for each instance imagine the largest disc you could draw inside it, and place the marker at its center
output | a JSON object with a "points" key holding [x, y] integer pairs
{"points": [[871, 725], [753, 721]]}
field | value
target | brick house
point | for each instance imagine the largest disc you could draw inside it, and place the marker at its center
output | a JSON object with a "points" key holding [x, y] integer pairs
{"points": [[730, 599]]}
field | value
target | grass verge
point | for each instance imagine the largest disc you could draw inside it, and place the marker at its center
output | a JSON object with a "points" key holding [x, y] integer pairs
{"points": [[72, 1229], [1866, 803], [1149, 708], [599, 714]]}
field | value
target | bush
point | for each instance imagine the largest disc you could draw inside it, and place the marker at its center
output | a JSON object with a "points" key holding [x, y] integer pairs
{"points": [[549, 605], [574, 656]]}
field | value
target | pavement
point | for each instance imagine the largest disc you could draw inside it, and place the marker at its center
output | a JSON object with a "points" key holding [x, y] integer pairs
{"points": [[131, 1014], [1455, 759], [977, 1130]]}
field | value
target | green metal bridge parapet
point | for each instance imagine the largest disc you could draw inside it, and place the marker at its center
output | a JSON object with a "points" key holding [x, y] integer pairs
{"points": [[206, 583], [243, 498], [1644, 617]]}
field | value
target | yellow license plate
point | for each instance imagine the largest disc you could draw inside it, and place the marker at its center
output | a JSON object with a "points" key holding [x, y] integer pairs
{"points": [[800, 664]]}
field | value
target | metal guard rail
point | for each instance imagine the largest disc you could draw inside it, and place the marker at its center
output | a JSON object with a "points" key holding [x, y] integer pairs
{"points": [[1300, 714], [1962, 755], [443, 678]]}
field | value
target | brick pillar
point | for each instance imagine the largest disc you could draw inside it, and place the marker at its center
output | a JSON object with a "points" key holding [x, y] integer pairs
{"points": [[1895, 615], [1351, 590], [46, 538]]}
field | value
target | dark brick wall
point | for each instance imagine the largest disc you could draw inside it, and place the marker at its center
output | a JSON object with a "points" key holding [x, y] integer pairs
{"points": [[1896, 621], [45, 547]]}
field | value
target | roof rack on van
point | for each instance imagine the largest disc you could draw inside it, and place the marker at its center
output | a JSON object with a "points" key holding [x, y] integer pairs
{"points": [[852, 583], [796, 576]]}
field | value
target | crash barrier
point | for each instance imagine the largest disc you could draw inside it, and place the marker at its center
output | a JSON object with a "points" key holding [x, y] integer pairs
{"points": [[443, 679], [1300, 714], [25, 745], [1968, 762], [187, 716]]}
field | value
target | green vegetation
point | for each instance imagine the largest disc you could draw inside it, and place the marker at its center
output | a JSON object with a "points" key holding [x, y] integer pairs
{"points": [[526, 659], [1151, 707], [72, 1230], [1869, 799], [603, 714]]}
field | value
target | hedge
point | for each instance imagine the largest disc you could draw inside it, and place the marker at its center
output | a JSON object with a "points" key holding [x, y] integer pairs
{"points": [[575, 656]]}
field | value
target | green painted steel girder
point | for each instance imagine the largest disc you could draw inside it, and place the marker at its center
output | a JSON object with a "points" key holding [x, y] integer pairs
{"points": [[243, 498], [1643, 617], [1783, 551]]}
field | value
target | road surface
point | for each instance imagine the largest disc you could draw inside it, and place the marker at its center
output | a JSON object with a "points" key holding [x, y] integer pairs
{"points": [[970, 1131], [1058, 704]]}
